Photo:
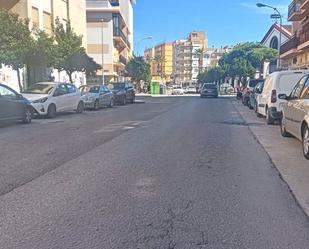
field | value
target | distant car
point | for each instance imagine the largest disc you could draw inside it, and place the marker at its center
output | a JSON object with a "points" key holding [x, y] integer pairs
{"points": [[248, 90], [124, 92], [178, 90], [96, 96], [50, 98], [14, 106], [209, 90], [283, 82], [295, 114], [191, 90], [253, 96]]}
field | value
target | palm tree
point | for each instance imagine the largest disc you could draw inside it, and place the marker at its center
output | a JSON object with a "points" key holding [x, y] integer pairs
{"points": [[158, 59], [200, 54]]}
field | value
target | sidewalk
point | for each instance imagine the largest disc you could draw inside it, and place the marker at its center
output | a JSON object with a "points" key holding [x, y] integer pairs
{"points": [[285, 153]]}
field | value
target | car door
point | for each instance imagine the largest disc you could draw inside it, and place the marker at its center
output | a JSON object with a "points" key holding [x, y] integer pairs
{"points": [[291, 108], [103, 100], [60, 98], [72, 97], [10, 106], [264, 96]]}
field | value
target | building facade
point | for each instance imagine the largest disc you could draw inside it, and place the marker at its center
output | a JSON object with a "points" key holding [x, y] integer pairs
{"points": [[110, 37], [42, 14], [295, 52], [271, 40], [162, 64], [188, 58]]}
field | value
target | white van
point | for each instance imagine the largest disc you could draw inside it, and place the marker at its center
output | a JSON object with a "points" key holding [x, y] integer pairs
{"points": [[268, 103]]}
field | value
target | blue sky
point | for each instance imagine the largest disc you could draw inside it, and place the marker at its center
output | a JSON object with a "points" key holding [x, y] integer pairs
{"points": [[227, 22]]}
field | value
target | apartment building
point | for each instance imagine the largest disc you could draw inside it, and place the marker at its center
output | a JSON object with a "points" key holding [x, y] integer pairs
{"points": [[295, 52], [110, 37], [187, 61], [149, 55], [42, 14]]}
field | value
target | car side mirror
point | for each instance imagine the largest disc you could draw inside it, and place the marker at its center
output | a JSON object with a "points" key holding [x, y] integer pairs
{"points": [[283, 96], [19, 96]]}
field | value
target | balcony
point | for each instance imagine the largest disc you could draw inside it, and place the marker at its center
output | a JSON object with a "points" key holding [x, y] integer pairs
{"points": [[295, 13], [303, 40], [98, 5], [290, 47], [123, 60], [121, 38], [305, 7]]}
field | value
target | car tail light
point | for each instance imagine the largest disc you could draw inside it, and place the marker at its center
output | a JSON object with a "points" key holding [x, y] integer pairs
{"points": [[273, 96]]}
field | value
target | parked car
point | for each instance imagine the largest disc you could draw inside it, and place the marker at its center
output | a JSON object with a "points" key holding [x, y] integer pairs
{"points": [[209, 90], [191, 90], [295, 114], [96, 96], [269, 105], [178, 90], [124, 92], [253, 95], [50, 98], [248, 90], [14, 106]]}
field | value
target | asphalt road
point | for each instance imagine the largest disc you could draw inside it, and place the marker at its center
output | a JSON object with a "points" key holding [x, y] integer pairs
{"points": [[181, 173]]}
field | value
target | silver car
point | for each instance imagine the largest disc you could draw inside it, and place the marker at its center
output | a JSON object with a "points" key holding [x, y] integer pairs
{"points": [[295, 114], [97, 96]]}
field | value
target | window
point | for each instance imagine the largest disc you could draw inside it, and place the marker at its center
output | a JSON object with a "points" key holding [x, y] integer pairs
{"points": [[47, 22], [274, 43], [71, 89], [35, 17], [305, 92], [7, 93], [61, 90], [298, 88]]}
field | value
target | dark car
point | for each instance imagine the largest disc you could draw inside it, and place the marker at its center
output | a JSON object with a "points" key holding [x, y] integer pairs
{"points": [[252, 98], [209, 90], [14, 106], [124, 92]]}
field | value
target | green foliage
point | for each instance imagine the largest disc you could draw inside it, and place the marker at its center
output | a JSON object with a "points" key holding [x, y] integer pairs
{"points": [[214, 74], [15, 41], [138, 69], [70, 56]]}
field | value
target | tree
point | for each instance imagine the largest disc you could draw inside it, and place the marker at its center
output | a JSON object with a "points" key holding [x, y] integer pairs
{"points": [[214, 74], [15, 42], [158, 59], [200, 54], [138, 69], [68, 48]]}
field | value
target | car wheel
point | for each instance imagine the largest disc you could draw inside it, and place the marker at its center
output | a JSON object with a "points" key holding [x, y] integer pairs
{"points": [[133, 100], [269, 119], [111, 103], [51, 111], [27, 116], [284, 133], [80, 107], [306, 142], [96, 105], [124, 100], [255, 107]]}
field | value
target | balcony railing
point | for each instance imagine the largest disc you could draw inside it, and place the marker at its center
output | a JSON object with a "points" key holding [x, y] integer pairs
{"points": [[294, 8], [289, 45], [303, 37], [123, 59], [118, 33], [98, 4]]}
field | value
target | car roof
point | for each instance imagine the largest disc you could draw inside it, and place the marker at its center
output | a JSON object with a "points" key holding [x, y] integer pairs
{"points": [[52, 83]]}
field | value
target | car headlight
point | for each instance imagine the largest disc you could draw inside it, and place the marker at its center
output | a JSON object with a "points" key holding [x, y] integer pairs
{"points": [[43, 100]]}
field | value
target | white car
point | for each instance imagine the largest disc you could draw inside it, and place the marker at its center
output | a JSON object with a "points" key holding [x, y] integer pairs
{"points": [[178, 90], [269, 105], [295, 114], [49, 98]]}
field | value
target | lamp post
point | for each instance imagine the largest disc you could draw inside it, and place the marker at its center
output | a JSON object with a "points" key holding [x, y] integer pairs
{"points": [[261, 5], [143, 39], [102, 36]]}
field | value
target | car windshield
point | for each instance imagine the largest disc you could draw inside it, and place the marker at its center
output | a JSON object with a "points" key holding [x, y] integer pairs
{"points": [[117, 86], [40, 89], [210, 86], [90, 89], [253, 83]]}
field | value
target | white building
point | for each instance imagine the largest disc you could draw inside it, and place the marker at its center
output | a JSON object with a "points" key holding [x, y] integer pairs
{"points": [[110, 36]]}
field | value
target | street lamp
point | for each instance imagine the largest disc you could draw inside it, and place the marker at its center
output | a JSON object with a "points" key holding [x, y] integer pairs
{"points": [[102, 36], [143, 39], [261, 5]]}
